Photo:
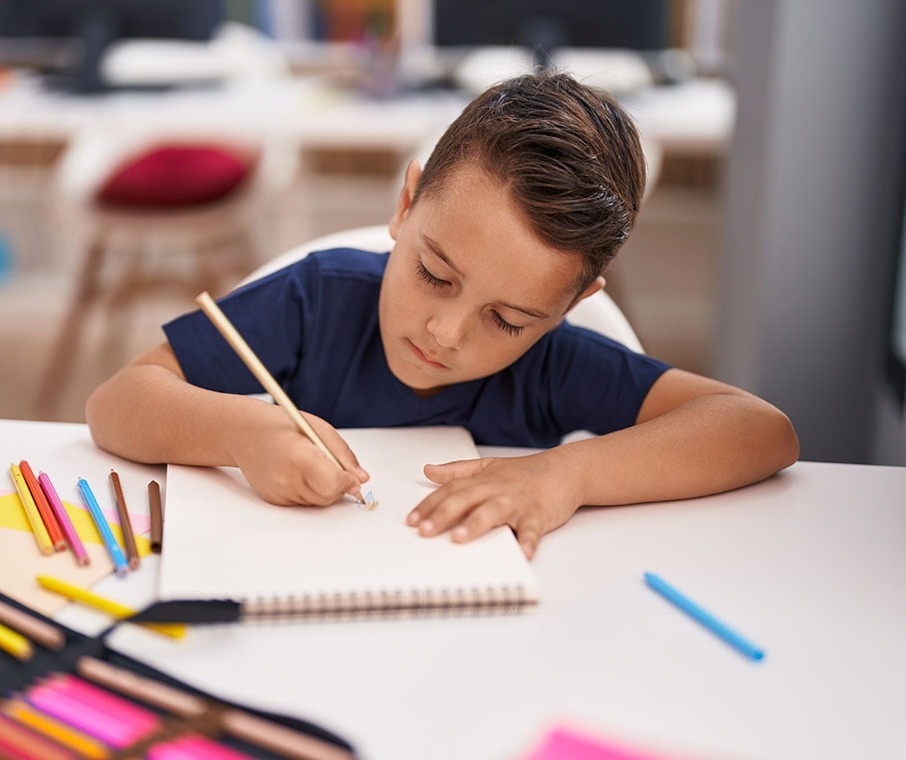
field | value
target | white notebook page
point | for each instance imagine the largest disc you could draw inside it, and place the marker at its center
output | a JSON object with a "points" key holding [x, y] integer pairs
{"points": [[223, 541]]}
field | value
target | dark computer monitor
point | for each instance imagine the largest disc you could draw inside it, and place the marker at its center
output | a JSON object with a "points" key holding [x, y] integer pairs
{"points": [[542, 26], [85, 28]]}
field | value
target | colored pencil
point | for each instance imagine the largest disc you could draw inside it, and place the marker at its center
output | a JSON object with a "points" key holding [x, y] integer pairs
{"points": [[15, 643], [34, 628], [708, 620], [283, 740], [157, 517], [91, 719], [18, 741], [103, 604], [47, 515], [120, 566], [125, 521], [257, 368], [54, 729], [45, 545], [56, 504], [131, 684]]}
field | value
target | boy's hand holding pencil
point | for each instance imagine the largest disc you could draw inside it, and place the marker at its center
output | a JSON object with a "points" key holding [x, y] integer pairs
{"points": [[284, 467], [315, 470]]}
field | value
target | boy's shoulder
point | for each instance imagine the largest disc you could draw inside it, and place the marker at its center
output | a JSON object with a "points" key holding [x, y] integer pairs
{"points": [[345, 263]]}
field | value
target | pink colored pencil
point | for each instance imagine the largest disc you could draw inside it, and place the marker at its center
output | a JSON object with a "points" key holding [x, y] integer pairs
{"points": [[104, 700], [95, 722], [194, 747], [63, 518]]}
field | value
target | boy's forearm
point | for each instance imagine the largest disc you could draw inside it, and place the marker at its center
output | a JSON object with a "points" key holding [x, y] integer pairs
{"points": [[708, 445], [147, 414]]}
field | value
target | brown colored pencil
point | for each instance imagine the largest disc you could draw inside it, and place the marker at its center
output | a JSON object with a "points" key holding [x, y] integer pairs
{"points": [[125, 522], [32, 627], [131, 684], [157, 517]]}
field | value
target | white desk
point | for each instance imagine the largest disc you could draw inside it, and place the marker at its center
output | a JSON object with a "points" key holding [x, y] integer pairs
{"points": [[810, 564]]}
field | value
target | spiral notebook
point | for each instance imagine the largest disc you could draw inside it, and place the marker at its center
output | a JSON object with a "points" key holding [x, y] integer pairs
{"points": [[223, 542]]}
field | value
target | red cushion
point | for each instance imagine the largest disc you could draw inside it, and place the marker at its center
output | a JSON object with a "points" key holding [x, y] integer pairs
{"points": [[171, 176]]}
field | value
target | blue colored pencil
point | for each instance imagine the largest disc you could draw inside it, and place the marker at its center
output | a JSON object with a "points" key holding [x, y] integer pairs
{"points": [[120, 565], [708, 620]]}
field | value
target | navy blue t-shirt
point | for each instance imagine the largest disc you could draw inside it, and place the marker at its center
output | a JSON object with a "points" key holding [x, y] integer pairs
{"points": [[314, 325]]}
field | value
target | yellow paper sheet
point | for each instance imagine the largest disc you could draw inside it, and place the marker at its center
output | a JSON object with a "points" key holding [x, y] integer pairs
{"points": [[20, 560]]}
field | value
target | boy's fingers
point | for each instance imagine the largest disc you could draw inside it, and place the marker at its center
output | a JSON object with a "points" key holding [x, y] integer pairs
{"points": [[461, 468], [479, 522], [325, 484], [528, 533], [338, 447], [529, 543], [442, 508]]}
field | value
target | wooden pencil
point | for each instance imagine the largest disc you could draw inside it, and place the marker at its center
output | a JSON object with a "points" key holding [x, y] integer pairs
{"points": [[125, 521], [32, 627], [39, 529], [257, 368], [47, 514], [157, 517]]}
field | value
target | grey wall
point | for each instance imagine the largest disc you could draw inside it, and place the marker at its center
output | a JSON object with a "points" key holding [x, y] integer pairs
{"points": [[808, 223]]}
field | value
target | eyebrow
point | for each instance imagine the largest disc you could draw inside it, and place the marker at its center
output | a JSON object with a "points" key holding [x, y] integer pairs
{"points": [[435, 248]]}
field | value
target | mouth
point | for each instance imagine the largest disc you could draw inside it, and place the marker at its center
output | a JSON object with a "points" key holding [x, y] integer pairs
{"points": [[423, 357]]}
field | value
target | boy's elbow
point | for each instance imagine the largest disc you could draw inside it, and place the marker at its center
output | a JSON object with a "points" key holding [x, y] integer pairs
{"points": [[786, 441]]}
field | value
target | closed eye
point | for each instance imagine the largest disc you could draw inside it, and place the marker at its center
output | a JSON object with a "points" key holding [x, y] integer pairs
{"points": [[423, 274], [509, 329]]}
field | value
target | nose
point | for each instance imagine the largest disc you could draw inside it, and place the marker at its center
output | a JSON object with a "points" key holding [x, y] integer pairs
{"points": [[449, 327]]}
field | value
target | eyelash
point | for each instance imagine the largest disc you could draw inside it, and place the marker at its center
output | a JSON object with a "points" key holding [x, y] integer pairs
{"points": [[509, 329], [426, 276], [423, 274]]}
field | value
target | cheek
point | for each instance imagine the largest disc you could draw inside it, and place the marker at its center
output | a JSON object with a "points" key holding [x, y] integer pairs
{"points": [[494, 352], [400, 303]]}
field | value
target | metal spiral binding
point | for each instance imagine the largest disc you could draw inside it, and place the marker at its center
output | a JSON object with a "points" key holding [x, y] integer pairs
{"points": [[414, 602]]}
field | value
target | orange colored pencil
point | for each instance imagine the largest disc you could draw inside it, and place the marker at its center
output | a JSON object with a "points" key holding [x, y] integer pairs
{"points": [[50, 521]]}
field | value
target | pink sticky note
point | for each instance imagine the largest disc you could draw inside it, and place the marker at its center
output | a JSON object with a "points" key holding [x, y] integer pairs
{"points": [[567, 744]]}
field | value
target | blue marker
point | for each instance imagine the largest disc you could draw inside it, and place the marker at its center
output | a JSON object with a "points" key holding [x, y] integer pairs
{"points": [[705, 618], [120, 565]]}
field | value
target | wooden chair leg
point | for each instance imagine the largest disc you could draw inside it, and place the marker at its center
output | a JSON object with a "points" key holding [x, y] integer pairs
{"points": [[66, 346]]}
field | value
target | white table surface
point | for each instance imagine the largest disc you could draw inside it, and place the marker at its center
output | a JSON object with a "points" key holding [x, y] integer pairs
{"points": [[810, 564]]}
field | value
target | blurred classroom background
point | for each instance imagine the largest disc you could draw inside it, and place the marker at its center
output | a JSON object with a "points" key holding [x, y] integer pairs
{"points": [[152, 149]]}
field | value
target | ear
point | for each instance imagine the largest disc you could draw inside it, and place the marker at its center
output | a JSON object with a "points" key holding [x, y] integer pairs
{"points": [[596, 286], [404, 203]]}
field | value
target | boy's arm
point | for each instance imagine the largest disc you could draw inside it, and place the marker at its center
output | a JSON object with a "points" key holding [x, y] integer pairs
{"points": [[148, 412], [693, 436]]}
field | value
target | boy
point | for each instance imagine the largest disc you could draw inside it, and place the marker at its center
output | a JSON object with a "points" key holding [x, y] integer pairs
{"points": [[525, 200]]}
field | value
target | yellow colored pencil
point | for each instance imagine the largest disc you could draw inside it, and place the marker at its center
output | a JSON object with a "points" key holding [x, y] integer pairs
{"points": [[15, 643], [103, 604], [31, 511]]}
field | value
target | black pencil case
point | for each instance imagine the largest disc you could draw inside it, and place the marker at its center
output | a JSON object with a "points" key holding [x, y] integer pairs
{"points": [[311, 741]]}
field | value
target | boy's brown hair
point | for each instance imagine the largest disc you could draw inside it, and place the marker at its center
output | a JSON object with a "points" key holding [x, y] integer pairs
{"points": [[568, 153]]}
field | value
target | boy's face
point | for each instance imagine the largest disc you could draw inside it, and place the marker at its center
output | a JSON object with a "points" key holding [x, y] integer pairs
{"points": [[468, 288]]}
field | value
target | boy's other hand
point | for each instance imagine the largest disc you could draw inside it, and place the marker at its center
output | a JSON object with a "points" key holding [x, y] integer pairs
{"points": [[530, 494]]}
